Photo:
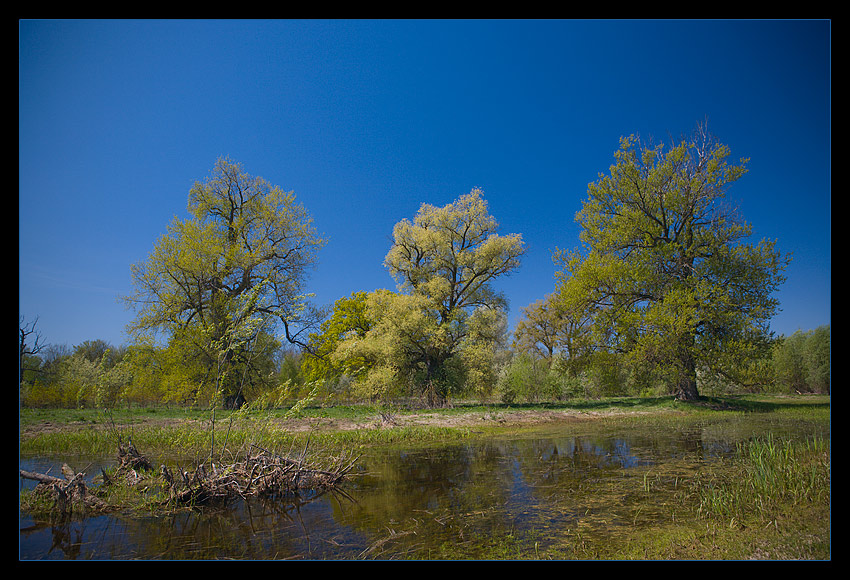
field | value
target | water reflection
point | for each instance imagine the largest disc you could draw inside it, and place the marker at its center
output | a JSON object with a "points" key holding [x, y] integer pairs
{"points": [[453, 501]]}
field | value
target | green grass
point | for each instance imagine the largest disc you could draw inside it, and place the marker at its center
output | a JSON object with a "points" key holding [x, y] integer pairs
{"points": [[770, 500], [169, 429], [770, 473]]}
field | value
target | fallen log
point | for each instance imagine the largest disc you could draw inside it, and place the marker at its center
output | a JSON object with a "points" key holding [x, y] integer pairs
{"points": [[65, 493], [42, 478]]}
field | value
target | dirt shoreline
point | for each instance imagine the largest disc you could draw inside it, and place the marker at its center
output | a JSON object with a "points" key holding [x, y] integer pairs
{"points": [[454, 420], [470, 420]]}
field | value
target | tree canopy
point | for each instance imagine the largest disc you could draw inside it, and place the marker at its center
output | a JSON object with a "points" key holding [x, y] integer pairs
{"points": [[547, 329], [436, 331], [665, 289], [234, 269], [664, 268], [350, 317]]}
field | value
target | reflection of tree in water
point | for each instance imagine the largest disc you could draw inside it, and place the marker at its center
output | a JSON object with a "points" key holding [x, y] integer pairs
{"points": [[68, 539], [69, 536], [249, 529], [416, 502]]}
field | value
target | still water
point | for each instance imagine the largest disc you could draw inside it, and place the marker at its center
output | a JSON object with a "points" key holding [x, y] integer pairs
{"points": [[490, 499]]}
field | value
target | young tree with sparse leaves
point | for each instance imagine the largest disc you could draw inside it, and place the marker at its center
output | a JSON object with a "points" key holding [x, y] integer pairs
{"points": [[30, 343]]}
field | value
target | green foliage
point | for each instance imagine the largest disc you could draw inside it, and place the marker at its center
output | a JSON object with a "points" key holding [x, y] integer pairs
{"points": [[218, 280], [94, 378], [664, 291], [665, 273], [528, 379], [435, 336], [350, 317], [802, 362], [550, 330]]}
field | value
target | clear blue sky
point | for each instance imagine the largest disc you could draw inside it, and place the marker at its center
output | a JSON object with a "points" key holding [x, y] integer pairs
{"points": [[366, 120]]}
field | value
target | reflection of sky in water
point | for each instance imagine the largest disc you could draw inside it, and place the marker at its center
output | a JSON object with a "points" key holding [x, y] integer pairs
{"points": [[617, 452], [90, 466], [555, 479]]}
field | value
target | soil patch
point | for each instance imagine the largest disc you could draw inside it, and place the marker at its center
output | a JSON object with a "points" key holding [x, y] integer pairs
{"points": [[426, 418]]}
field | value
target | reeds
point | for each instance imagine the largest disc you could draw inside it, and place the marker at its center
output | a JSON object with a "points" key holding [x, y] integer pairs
{"points": [[768, 473]]}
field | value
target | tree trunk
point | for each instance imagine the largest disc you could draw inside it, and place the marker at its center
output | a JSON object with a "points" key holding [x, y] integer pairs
{"points": [[434, 385], [686, 386], [234, 402], [686, 389]]}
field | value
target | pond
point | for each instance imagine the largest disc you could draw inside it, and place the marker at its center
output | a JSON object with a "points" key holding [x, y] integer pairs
{"points": [[492, 499]]}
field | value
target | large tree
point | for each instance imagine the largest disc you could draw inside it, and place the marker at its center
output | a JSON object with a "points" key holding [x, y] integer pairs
{"points": [[440, 327], [230, 272], [665, 268]]}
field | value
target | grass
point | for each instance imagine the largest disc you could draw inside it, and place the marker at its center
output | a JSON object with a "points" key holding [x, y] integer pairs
{"points": [[165, 430], [770, 500], [770, 473]]}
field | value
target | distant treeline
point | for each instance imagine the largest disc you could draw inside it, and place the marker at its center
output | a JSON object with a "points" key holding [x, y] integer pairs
{"points": [[95, 374]]}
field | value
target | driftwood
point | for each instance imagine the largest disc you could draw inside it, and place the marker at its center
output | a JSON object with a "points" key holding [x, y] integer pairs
{"points": [[66, 493], [130, 458], [262, 473]]}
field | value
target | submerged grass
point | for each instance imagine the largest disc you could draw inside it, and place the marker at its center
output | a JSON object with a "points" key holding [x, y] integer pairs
{"points": [[770, 500]]}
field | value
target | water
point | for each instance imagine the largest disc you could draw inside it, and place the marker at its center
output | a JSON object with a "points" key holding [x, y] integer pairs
{"points": [[490, 499]]}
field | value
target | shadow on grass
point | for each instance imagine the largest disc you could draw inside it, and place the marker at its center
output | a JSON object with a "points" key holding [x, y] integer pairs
{"points": [[754, 404], [739, 403]]}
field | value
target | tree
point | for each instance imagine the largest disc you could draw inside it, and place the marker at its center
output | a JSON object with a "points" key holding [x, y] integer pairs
{"points": [[547, 329], [818, 359], [30, 343], [349, 317], [801, 362], [444, 262], [236, 266], [664, 269]]}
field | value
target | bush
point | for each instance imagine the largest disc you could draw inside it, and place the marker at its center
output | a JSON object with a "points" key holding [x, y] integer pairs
{"points": [[801, 362], [529, 379]]}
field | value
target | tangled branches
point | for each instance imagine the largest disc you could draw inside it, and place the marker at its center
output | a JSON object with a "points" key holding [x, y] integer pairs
{"points": [[262, 473], [67, 493]]}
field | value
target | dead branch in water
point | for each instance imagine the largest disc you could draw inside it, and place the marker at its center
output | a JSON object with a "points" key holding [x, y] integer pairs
{"points": [[65, 493], [262, 473]]}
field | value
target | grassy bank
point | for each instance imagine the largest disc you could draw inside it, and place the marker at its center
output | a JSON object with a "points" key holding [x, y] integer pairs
{"points": [[770, 500], [168, 430]]}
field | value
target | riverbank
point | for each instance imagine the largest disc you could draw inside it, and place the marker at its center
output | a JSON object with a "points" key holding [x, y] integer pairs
{"points": [[33, 422], [673, 505], [163, 429]]}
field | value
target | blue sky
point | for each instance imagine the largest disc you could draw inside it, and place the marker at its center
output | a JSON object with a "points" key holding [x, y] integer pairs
{"points": [[365, 120]]}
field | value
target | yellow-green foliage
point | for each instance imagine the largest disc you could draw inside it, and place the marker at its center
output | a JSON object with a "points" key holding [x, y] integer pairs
{"points": [[433, 334], [215, 281], [665, 271], [349, 318]]}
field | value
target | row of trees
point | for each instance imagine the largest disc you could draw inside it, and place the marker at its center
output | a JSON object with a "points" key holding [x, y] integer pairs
{"points": [[664, 294], [95, 374]]}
